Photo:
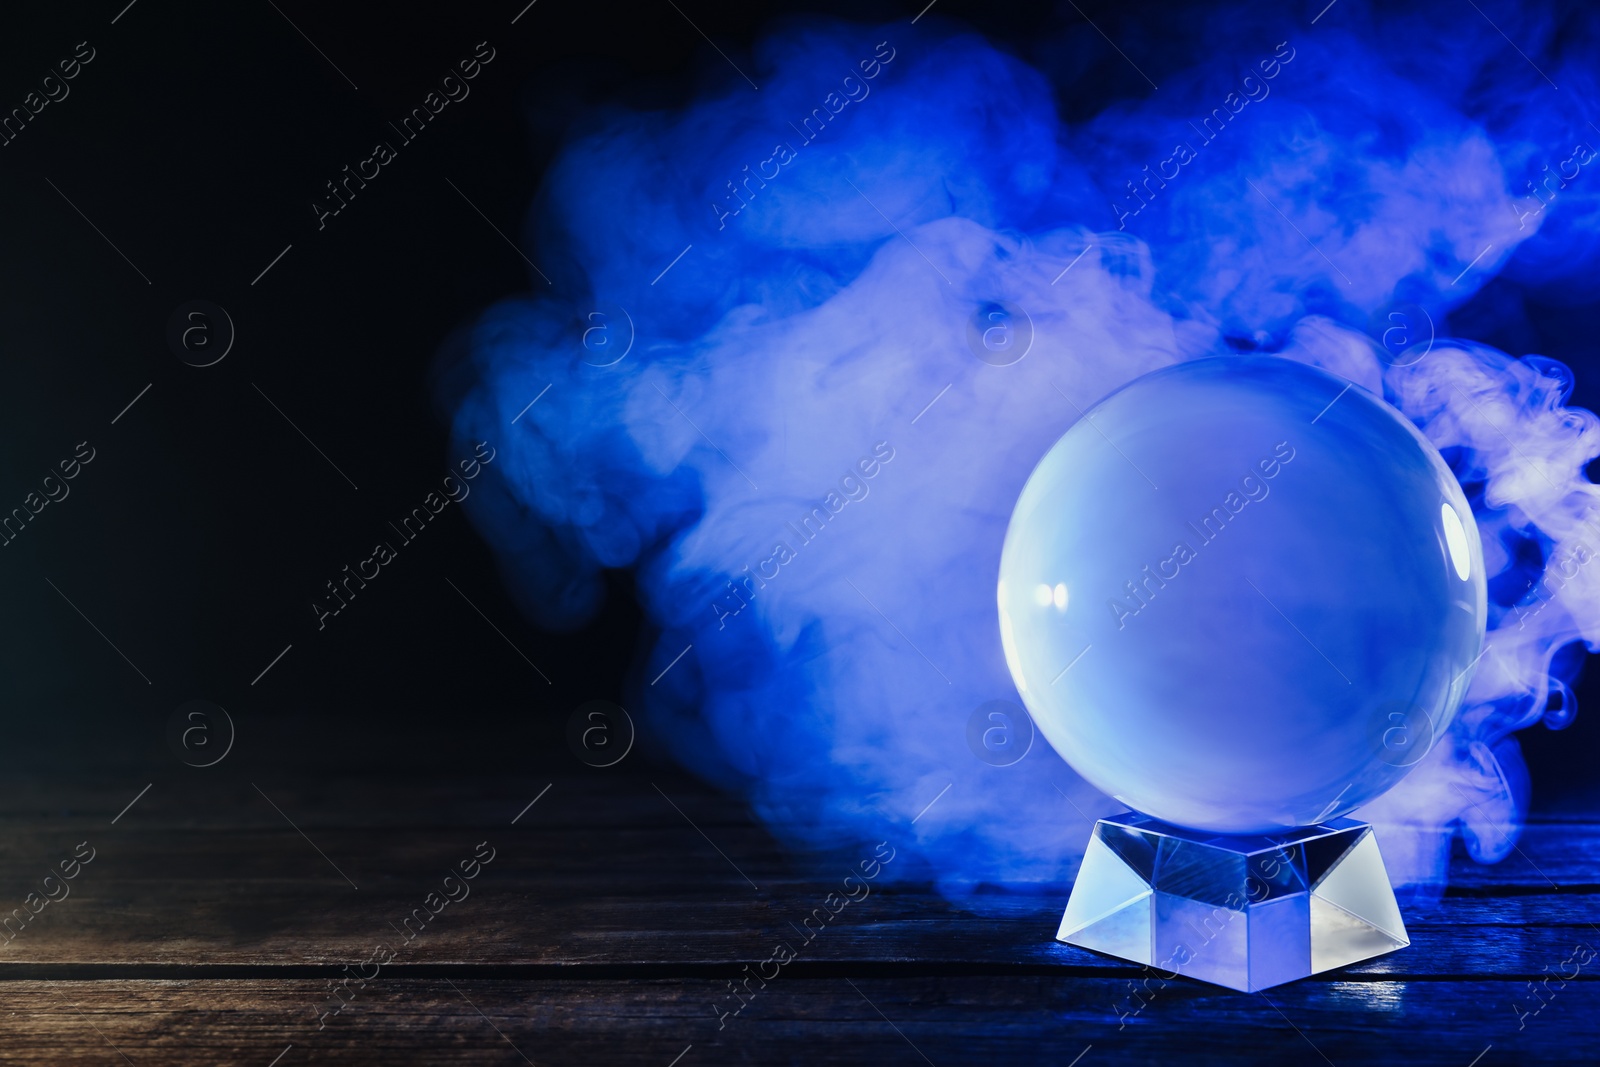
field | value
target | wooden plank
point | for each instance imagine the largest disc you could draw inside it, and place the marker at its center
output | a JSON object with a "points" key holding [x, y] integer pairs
{"points": [[502, 927], [607, 929], [595, 875], [943, 1021]]}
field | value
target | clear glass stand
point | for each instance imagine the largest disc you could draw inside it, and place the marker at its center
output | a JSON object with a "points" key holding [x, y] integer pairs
{"points": [[1246, 912]]}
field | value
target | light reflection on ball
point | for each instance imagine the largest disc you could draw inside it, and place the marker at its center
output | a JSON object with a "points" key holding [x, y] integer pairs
{"points": [[1235, 591]]}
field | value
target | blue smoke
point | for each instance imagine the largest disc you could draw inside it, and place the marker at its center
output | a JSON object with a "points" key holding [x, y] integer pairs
{"points": [[855, 307]]}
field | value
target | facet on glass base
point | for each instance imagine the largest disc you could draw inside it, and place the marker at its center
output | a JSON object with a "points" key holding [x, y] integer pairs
{"points": [[1244, 911]]}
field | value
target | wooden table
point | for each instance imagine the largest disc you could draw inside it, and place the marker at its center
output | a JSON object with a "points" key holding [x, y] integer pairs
{"points": [[214, 920]]}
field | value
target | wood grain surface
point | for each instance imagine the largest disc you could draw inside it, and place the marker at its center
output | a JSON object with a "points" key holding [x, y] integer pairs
{"points": [[216, 924]]}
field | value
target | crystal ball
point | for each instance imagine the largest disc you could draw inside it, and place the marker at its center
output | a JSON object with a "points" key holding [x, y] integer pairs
{"points": [[1242, 595]]}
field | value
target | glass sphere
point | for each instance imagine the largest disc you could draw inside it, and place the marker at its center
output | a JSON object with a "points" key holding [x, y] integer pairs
{"points": [[1242, 595]]}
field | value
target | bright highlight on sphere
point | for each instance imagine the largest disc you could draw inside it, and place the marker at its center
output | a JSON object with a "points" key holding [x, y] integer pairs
{"points": [[1276, 595]]}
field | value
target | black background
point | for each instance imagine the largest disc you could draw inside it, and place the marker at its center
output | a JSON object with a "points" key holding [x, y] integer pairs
{"points": [[197, 140]]}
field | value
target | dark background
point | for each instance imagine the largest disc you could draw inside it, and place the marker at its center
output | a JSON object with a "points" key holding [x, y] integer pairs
{"points": [[196, 140]]}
